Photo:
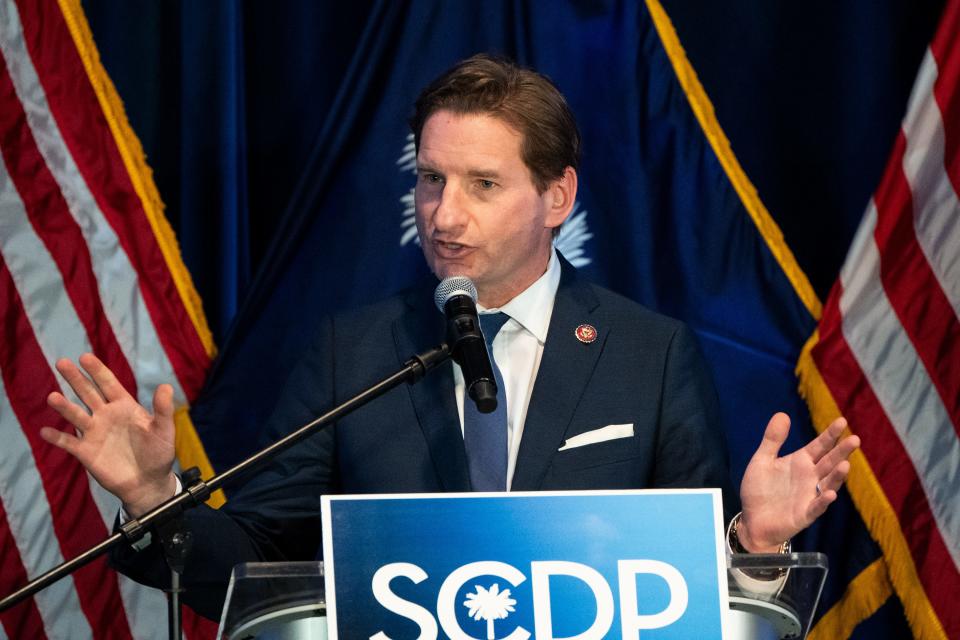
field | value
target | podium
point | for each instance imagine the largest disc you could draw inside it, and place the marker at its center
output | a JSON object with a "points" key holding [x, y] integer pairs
{"points": [[781, 607], [286, 601], [275, 601]]}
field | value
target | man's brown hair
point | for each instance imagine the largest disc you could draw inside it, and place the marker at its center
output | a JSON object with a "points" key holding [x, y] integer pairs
{"points": [[524, 99]]}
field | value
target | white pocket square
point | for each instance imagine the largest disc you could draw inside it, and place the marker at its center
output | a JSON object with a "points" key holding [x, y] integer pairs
{"points": [[610, 432]]}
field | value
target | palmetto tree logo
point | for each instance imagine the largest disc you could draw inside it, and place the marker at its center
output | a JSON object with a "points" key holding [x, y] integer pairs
{"points": [[490, 605]]}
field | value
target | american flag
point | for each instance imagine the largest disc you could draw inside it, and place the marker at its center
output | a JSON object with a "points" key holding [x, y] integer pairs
{"points": [[87, 263], [887, 350]]}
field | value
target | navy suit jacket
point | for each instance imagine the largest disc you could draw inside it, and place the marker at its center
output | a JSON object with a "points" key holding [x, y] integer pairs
{"points": [[643, 369]]}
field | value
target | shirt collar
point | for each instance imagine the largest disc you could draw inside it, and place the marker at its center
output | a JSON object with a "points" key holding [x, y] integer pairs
{"points": [[533, 306]]}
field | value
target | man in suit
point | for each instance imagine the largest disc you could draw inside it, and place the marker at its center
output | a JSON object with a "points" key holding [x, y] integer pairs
{"points": [[599, 392]]}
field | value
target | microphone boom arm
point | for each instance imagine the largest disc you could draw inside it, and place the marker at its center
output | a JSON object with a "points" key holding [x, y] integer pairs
{"points": [[198, 490]]}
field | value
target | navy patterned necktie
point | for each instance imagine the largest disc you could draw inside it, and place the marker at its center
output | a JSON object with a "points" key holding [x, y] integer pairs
{"points": [[485, 434]]}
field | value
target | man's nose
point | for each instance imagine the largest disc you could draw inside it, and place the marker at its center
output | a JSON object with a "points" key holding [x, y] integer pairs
{"points": [[451, 213]]}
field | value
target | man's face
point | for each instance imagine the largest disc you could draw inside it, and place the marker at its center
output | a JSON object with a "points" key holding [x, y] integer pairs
{"points": [[478, 212]]}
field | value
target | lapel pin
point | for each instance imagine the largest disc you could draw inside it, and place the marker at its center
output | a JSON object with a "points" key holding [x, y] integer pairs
{"points": [[586, 333]]}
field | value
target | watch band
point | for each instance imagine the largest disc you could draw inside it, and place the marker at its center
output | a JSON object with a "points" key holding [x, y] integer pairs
{"points": [[733, 540]]}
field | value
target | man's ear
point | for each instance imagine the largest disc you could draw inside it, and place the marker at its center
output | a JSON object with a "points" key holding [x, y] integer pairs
{"points": [[560, 197]]}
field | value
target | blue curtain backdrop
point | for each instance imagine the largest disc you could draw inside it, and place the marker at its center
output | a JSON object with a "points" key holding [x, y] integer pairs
{"points": [[277, 134]]}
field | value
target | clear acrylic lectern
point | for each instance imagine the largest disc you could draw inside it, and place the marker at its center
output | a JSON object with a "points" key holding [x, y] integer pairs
{"points": [[774, 595], [771, 596], [275, 601]]}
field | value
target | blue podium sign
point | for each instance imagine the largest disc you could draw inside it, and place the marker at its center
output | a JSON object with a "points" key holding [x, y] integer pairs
{"points": [[552, 565]]}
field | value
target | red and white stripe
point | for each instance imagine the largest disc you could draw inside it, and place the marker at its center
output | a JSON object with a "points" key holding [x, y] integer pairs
{"points": [[890, 336], [80, 270]]}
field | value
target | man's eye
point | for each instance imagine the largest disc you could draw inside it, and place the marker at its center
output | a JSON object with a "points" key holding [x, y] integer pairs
{"points": [[487, 184], [431, 178]]}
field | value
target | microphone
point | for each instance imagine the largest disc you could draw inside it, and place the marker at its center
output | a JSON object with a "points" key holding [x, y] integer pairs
{"points": [[456, 297]]}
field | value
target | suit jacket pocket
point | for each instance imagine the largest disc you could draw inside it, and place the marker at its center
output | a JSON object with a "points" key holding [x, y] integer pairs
{"points": [[615, 464], [596, 455]]}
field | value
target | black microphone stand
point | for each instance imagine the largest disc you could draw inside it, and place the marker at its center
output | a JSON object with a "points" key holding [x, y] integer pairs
{"points": [[165, 521]]}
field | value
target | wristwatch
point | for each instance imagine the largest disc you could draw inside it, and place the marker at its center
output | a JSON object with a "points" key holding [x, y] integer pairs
{"points": [[733, 540]]}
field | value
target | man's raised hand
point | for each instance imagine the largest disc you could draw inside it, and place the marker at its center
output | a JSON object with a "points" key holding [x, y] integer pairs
{"points": [[781, 496], [128, 450]]}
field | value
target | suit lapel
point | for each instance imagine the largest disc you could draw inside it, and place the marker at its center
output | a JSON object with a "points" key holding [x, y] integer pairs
{"points": [[433, 397], [565, 369]]}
